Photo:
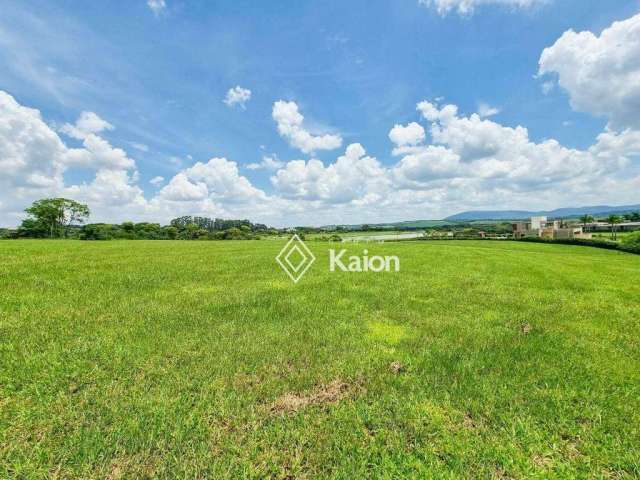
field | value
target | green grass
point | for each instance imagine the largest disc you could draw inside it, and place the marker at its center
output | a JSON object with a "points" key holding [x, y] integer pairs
{"points": [[358, 233], [609, 235], [137, 359]]}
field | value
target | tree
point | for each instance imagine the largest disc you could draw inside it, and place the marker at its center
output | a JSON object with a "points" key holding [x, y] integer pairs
{"points": [[191, 231], [613, 221], [54, 215], [585, 219], [172, 232], [32, 228], [128, 227]]}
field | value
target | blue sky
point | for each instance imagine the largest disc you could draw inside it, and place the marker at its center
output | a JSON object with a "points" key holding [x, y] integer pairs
{"points": [[157, 72]]}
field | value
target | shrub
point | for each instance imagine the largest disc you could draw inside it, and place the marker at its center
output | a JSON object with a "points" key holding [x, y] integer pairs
{"points": [[632, 240]]}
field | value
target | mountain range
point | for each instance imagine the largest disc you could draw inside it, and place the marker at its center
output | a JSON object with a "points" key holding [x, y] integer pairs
{"points": [[495, 215], [557, 213]]}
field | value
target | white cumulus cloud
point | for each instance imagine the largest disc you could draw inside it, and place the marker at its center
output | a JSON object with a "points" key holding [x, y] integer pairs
{"points": [[290, 126], [218, 179], [269, 162], [412, 134], [98, 152], [485, 110], [601, 73], [354, 176], [34, 159], [86, 124], [237, 96], [156, 181]]}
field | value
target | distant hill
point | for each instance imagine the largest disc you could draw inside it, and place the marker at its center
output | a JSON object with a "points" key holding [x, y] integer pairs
{"points": [[491, 216], [558, 213]]}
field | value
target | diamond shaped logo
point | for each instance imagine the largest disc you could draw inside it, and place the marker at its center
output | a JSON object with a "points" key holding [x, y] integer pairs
{"points": [[295, 258]]}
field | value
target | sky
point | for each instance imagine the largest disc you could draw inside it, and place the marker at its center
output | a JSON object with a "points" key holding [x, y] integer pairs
{"points": [[314, 113]]}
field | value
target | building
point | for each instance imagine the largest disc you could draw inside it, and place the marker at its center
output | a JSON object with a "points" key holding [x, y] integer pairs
{"points": [[620, 227], [537, 227], [540, 227]]}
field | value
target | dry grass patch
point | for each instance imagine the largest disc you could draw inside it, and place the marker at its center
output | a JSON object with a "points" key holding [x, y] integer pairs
{"points": [[324, 394]]}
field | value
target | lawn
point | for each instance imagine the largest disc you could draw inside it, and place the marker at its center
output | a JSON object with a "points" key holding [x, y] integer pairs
{"points": [[609, 235], [134, 359]]}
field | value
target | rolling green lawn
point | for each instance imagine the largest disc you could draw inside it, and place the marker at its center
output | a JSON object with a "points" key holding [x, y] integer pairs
{"points": [[134, 359]]}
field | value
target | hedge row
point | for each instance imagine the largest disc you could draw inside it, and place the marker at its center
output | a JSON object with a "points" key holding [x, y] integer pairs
{"points": [[606, 244]]}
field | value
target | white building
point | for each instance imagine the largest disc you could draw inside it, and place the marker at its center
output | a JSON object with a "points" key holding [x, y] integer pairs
{"points": [[542, 228]]}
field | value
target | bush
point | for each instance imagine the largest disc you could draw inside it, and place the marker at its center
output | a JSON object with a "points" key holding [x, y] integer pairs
{"points": [[632, 240]]}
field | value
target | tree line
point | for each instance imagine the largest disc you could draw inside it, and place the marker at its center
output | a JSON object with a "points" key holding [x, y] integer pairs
{"points": [[65, 218]]}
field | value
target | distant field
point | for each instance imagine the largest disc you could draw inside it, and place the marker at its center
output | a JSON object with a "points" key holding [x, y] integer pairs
{"points": [[138, 359], [406, 224], [362, 233], [368, 233]]}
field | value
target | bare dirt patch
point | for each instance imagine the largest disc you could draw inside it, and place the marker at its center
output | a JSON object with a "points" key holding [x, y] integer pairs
{"points": [[471, 423], [396, 367], [329, 393]]}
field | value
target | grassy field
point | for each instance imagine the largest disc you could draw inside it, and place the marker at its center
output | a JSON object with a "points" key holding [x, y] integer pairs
{"points": [[609, 235], [203, 360]]}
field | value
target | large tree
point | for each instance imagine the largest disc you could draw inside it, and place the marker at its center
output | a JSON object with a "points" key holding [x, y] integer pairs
{"points": [[54, 216]]}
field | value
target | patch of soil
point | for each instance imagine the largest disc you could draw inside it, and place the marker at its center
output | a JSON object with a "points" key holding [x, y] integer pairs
{"points": [[469, 422], [323, 394], [396, 367]]}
